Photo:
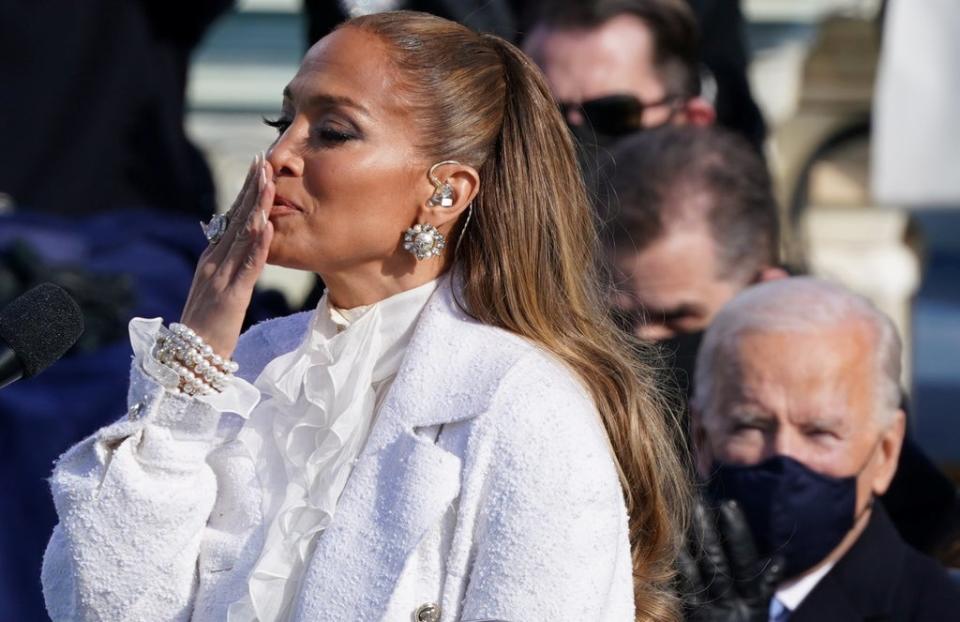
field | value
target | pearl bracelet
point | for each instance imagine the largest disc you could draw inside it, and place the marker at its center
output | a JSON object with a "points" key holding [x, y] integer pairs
{"points": [[200, 370]]}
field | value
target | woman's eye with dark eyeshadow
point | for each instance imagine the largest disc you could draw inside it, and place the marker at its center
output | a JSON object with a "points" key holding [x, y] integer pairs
{"points": [[280, 124], [324, 135], [333, 136]]}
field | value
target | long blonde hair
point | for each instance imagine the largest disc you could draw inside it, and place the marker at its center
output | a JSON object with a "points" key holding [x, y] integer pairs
{"points": [[530, 257]]}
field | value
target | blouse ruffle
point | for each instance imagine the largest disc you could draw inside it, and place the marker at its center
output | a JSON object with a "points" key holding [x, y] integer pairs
{"points": [[318, 403]]}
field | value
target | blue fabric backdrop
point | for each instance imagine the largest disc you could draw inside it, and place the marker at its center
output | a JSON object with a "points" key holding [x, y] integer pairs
{"points": [[43, 416]]}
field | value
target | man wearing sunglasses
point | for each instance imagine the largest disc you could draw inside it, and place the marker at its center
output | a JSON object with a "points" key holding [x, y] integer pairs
{"points": [[619, 66]]}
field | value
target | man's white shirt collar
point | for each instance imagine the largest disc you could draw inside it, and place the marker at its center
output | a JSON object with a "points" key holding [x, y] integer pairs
{"points": [[791, 596]]}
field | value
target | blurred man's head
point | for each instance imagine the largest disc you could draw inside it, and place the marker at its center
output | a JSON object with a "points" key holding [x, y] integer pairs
{"points": [[617, 66], [692, 221], [798, 381]]}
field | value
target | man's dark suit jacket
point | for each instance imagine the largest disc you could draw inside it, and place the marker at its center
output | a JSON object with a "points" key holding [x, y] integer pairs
{"points": [[881, 579]]}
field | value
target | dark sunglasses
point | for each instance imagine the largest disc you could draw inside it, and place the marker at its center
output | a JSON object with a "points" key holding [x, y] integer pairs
{"points": [[614, 115]]}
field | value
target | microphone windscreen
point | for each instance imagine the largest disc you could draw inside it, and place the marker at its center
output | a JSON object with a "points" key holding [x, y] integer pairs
{"points": [[40, 326]]}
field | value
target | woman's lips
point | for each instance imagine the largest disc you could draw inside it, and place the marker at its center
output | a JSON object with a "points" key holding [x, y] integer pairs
{"points": [[282, 206]]}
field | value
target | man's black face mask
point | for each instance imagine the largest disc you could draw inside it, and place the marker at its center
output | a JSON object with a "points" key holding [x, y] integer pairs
{"points": [[793, 511]]}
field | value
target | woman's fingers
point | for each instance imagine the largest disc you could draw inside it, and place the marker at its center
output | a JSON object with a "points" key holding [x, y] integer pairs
{"points": [[248, 181], [245, 216], [238, 214], [227, 272], [252, 171], [249, 239], [256, 213], [250, 268]]}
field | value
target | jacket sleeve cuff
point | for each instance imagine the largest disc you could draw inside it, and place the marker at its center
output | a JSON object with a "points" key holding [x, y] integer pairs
{"points": [[152, 397]]}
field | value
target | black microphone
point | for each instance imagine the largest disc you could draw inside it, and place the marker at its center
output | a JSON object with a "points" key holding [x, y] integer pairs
{"points": [[36, 329]]}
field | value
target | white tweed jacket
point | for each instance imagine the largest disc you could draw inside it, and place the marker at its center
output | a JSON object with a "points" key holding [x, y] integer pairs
{"points": [[486, 488]]}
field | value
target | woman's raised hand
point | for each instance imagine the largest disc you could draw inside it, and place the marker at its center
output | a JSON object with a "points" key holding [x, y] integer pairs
{"points": [[228, 269]]}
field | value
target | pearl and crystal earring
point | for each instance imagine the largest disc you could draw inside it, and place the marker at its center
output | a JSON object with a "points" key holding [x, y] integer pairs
{"points": [[424, 241]]}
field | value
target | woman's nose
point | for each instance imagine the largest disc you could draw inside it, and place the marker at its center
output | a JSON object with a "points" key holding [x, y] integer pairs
{"points": [[284, 157]]}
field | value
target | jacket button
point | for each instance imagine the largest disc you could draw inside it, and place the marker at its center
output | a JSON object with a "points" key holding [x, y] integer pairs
{"points": [[429, 612], [136, 410]]}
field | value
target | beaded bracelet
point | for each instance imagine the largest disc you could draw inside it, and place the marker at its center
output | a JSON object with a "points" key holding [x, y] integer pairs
{"points": [[200, 370]]}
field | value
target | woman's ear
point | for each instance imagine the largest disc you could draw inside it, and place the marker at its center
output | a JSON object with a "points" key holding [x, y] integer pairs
{"points": [[450, 191]]}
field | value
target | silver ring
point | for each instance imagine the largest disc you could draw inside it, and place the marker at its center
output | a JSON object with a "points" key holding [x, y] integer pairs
{"points": [[215, 229]]}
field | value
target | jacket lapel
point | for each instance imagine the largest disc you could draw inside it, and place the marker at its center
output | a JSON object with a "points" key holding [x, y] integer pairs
{"points": [[392, 498], [403, 482], [450, 372]]}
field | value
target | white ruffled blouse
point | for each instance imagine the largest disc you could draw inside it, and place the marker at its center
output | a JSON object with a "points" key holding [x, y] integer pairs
{"points": [[310, 412]]}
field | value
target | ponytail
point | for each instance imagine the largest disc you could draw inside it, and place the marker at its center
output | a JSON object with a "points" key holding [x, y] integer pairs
{"points": [[542, 251], [529, 258]]}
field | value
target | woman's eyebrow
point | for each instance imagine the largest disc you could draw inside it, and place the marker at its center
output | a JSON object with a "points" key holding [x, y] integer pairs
{"points": [[326, 99]]}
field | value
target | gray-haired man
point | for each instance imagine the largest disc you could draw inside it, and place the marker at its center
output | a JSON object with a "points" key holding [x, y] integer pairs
{"points": [[796, 416]]}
